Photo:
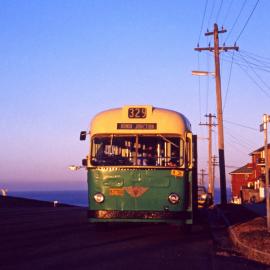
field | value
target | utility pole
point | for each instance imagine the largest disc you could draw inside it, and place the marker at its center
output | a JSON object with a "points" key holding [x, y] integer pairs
{"points": [[214, 164], [264, 127], [202, 174], [216, 49], [210, 170]]}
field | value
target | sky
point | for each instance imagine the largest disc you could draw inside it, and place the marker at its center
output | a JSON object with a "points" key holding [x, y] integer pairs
{"points": [[62, 62]]}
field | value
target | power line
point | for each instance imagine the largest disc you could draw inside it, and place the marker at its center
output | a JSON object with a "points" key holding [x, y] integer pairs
{"points": [[236, 146], [205, 7], [210, 16], [218, 13], [257, 75], [256, 55], [245, 63], [259, 64], [237, 18], [261, 60], [207, 90], [254, 81], [244, 139], [227, 13], [240, 143], [241, 32], [228, 85], [240, 125]]}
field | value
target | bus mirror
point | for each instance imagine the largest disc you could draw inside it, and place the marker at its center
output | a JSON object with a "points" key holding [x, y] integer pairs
{"points": [[84, 162], [82, 135]]}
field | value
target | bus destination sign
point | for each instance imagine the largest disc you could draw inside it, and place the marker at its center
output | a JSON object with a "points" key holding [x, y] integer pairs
{"points": [[136, 112], [136, 126]]}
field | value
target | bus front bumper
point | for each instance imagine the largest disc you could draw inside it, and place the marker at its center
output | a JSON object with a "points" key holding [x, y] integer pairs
{"points": [[143, 216]]}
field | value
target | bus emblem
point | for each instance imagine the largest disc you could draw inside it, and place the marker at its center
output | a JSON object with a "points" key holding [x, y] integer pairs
{"points": [[136, 192]]}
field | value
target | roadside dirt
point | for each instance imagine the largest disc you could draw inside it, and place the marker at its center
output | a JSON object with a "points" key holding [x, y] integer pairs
{"points": [[248, 232], [254, 234]]}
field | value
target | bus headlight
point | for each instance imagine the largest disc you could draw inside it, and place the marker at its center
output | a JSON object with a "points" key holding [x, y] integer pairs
{"points": [[99, 197], [174, 198], [203, 196]]}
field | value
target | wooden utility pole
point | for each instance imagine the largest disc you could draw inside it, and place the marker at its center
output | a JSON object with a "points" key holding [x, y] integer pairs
{"points": [[264, 127], [210, 124], [214, 164], [216, 49], [202, 174]]}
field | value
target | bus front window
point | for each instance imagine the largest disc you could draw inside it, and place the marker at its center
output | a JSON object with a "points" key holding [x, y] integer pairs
{"points": [[137, 150], [160, 151], [113, 150]]}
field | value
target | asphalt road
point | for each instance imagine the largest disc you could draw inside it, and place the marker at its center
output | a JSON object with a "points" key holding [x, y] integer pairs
{"points": [[61, 238]]}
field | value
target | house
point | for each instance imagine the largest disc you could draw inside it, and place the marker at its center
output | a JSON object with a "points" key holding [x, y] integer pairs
{"points": [[241, 177], [258, 161], [248, 181]]}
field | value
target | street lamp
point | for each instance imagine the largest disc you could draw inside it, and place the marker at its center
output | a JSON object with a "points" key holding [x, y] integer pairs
{"points": [[75, 167], [202, 73]]}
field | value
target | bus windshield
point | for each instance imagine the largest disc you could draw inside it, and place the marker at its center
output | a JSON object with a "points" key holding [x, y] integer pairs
{"points": [[137, 150]]}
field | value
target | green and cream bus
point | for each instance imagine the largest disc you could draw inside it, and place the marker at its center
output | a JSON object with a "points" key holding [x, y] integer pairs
{"points": [[141, 166]]}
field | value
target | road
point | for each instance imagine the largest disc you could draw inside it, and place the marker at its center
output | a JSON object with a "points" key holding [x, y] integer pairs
{"points": [[61, 238]]}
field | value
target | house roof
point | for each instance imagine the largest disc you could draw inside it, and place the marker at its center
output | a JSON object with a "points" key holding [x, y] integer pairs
{"points": [[242, 170], [257, 151]]}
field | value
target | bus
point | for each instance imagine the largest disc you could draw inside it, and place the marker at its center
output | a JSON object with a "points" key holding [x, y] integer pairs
{"points": [[141, 166]]}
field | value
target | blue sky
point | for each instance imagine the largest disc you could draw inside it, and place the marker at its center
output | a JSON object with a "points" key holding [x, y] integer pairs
{"points": [[64, 61]]}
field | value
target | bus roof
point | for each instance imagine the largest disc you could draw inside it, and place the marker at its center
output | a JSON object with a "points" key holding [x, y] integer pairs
{"points": [[137, 119]]}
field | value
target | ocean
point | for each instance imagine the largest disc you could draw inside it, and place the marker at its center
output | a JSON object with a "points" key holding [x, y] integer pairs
{"points": [[72, 197], [75, 197]]}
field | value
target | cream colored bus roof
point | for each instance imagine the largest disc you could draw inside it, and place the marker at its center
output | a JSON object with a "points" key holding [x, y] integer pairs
{"points": [[157, 121]]}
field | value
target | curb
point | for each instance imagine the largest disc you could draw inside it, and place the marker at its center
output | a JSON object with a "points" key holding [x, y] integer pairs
{"points": [[249, 252]]}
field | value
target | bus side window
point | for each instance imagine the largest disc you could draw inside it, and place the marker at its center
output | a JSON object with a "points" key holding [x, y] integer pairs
{"points": [[181, 152], [188, 152]]}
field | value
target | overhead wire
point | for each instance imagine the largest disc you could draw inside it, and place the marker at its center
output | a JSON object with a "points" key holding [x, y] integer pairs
{"points": [[240, 125], [227, 13], [247, 21], [239, 59], [257, 75], [208, 55], [240, 131], [240, 143], [245, 61], [236, 146], [228, 85], [264, 64], [236, 20], [211, 13], [202, 24], [218, 12], [254, 81], [255, 55]]}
